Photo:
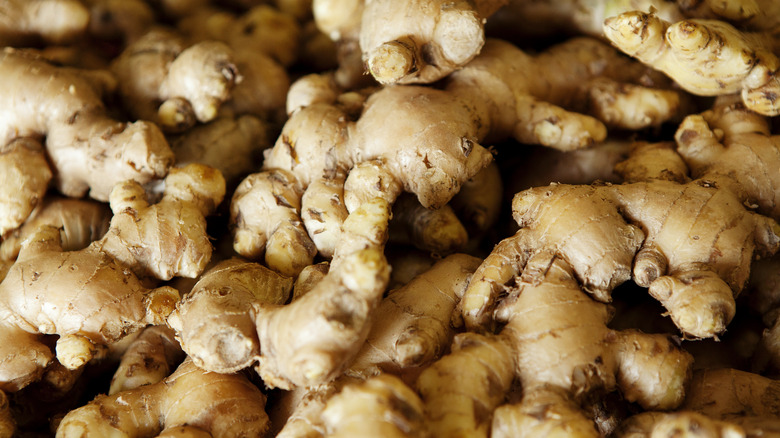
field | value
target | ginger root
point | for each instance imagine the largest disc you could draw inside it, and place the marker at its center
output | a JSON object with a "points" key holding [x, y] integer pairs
{"points": [[88, 150], [25, 22], [159, 408], [736, 62], [24, 179]]}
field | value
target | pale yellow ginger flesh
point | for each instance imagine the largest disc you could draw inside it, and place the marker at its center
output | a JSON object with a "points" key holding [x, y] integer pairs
{"points": [[150, 358], [162, 79], [212, 404], [24, 179], [556, 342], [214, 322], [24, 22], [73, 294], [381, 406], [736, 62], [693, 250], [88, 150], [81, 221], [168, 238]]}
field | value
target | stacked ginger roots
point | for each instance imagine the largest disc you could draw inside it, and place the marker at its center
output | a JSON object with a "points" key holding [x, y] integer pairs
{"points": [[294, 218]]}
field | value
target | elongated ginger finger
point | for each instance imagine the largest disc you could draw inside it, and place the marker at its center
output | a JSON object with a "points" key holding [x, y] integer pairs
{"points": [[323, 212], [24, 178], [88, 150], [226, 405], [412, 326], [736, 61]]}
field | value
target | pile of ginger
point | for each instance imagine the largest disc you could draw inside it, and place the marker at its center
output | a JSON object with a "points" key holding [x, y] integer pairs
{"points": [[401, 218]]}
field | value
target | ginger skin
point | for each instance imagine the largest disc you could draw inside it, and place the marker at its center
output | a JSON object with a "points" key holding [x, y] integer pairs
{"points": [[696, 279], [163, 80], [150, 358], [89, 151], [537, 345], [401, 141], [157, 409], [24, 22], [24, 178], [736, 62]]}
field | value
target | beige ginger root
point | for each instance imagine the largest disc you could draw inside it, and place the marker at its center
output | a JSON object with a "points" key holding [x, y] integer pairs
{"points": [[26, 22], [305, 343], [190, 402], [443, 37], [87, 149], [148, 359], [693, 250], [162, 79], [402, 142], [381, 406], [73, 294], [24, 179], [736, 62], [140, 233], [555, 340], [81, 221]]}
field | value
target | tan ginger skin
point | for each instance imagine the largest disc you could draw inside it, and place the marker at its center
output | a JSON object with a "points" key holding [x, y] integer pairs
{"points": [[84, 313], [556, 342], [736, 62], [81, 221], [410, 329], [23, 22], [305, 343], [89, 151], [720, 403], [150, 358], [162, 79], [24, 180], [696, 278], [443, 37], [323, 148], [219, 405]]}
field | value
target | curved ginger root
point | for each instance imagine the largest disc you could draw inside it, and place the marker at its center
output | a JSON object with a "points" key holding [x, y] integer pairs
{"points": [[427, 141], [88, 150], [148, 359], [736, 61], [191, 402]]}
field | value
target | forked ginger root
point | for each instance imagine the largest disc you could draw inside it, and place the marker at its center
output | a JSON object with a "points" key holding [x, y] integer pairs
{"points": [[190, 402], [556, 342], [693, 250], [163, 80]]}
